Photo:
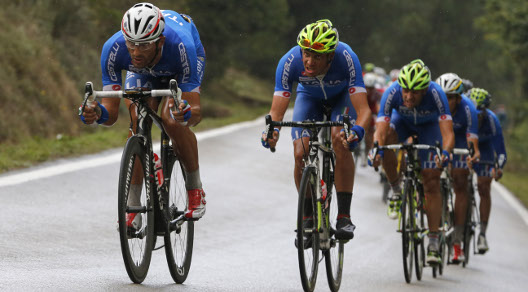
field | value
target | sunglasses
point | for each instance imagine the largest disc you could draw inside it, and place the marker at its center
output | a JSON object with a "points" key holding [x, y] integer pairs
{"points": [[141, 46], [316, 46]]}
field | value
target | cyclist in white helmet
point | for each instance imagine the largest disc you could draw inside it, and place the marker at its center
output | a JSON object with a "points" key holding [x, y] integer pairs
{"points": [[154, 46], [465, 126]]}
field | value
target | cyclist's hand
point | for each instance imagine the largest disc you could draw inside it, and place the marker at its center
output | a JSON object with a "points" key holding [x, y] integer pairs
{"points": [[94, 112], [496, 173], [445, 159], [374, 161], [182, 114], [356, 135], [472, 160], [267, 143]]}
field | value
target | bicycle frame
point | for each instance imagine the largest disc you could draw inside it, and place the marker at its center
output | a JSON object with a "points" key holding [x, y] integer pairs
{"points": [[145, 118]]}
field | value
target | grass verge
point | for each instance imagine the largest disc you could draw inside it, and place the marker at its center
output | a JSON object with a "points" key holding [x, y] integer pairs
{"points": [[517, 184]]}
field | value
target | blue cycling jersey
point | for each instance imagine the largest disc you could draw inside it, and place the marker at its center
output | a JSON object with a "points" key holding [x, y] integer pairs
{"points": [[491, 141], [465, 120], [183, 56], [434, 106], [344, 74]]}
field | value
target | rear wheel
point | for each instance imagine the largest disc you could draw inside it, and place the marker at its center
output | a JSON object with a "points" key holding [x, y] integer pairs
{"points": [[307, 240], [407, 228], [135, 197], [179, 238], [468, 228], [334, 256]]}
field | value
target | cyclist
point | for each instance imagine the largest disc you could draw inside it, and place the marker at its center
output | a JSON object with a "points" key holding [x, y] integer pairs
{"points": [[155, 46], [414, 105], [492, 158], [373, 99], [329, 74], [465, 126]]}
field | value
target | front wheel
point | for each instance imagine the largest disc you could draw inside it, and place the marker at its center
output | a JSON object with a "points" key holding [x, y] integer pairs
{"points": [[179, 238], [135, 210], [334, 256], [407, 228], [307, 240]]}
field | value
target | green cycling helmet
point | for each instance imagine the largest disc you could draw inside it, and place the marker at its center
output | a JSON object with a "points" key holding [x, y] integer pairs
{"points": [[480, 97], [319, 37], [414, 76]]}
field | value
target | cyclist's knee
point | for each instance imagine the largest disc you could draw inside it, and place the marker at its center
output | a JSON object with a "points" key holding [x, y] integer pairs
{"points": [[431, 180]]}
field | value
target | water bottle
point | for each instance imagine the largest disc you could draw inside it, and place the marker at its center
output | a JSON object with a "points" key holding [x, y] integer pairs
{"points": [[324, 191], [158, 171]]}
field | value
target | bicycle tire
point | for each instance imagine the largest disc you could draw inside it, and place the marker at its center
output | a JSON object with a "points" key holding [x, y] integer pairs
{"points": [[334, 257], [407, 227], [308, 254], [468, 227], [136, 246], [419, 243], [443, 225], [178, 241]]}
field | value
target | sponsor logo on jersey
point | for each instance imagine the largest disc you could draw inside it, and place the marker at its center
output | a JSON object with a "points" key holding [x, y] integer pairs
{"points": [[352, 90], [186, 69], [387, 106], [443, 117], [351, 68], [116, 87], [286, 94], [286, 72], [438, 100], [111, 62]]}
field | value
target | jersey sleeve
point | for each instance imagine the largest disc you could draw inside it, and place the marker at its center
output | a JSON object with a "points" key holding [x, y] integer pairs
{"points": [[472, 118], [441, 103], [110, 63], [498, 142], [355, 74], [387, 103], [284, 75]]}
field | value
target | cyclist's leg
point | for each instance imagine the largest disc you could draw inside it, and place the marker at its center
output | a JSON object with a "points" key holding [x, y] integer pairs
{"points": [[399, 131], [483, 169], [428, 134], [344, 167], [306, 108], [459, 174]]}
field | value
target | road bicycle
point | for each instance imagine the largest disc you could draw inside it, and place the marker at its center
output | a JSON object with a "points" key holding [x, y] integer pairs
{"points": [[322, 206], [472, 222], [411, 218], [157, 196], [447, 223]]}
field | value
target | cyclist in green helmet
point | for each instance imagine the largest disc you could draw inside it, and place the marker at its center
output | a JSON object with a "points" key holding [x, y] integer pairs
{"points": [[421, 109], [328, 74], [492, 158]]}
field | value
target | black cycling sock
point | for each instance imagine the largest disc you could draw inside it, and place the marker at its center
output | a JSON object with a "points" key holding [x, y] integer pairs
{"points": [[483, 227], [343, 203]]}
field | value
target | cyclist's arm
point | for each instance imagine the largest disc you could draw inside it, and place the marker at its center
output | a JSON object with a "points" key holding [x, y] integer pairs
{"points": [[448, 136], [359, 101], [382, 130], [279, 107], [193, 98]]}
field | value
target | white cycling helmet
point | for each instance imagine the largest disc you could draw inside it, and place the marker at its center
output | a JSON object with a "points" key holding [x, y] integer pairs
{"points": [[142, 23], [450, 83], [370, 79]]}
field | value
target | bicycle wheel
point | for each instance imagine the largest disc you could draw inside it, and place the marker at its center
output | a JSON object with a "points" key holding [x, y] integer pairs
{"points": [[334, 256], [419, 235], [137, 241], [469, 227], [307, 237], [442, 231], [179, 239], [407, 226]]}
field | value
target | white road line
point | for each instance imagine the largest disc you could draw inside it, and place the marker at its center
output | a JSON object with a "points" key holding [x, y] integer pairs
{"points": [[35, 174], [512, 200]]}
